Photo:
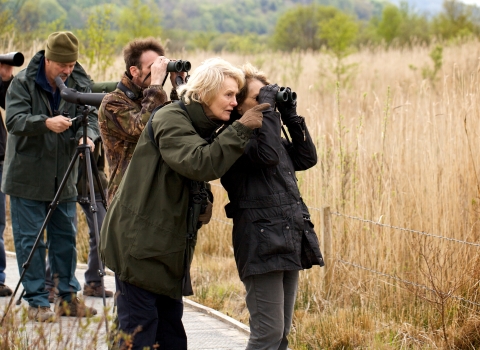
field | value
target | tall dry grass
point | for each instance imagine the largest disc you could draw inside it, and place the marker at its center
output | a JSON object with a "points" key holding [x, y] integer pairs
{"points": [[395, 149]]}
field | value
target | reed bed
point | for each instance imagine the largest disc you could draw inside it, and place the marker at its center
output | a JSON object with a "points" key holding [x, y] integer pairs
{"points": [[394, 149]]}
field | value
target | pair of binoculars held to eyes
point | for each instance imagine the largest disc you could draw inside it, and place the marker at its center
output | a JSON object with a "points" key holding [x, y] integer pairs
{"points": [[178, 66], [285, 94]]}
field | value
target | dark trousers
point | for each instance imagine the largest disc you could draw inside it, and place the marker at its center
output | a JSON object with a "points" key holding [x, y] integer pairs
{"points": [[91, 274], [159, 317], [3, 257], [270, 300], [27, 219]]}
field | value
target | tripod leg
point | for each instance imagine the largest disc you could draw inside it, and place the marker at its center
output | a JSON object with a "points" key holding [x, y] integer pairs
{"points": [[99, 183], [52, 207], [93, 208], [19, 300]]}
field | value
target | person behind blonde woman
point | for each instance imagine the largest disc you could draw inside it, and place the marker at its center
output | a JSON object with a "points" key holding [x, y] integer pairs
{"points": [[125, 111], [273, 237]]}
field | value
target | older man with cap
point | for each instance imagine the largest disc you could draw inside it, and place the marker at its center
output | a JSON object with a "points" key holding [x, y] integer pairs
{"points": [[41, 142]]}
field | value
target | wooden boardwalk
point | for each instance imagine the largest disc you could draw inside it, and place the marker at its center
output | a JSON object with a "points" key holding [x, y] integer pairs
{"points": [[206, 329]]}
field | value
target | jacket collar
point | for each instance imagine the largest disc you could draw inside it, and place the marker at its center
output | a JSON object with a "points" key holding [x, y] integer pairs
{"points": [[42, 82], [130, 85], [202, 124]]}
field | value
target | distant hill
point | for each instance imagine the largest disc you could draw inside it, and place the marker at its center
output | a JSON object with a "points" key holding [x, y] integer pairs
{"points": [[234, 16], [239, 16], [212, 16]]}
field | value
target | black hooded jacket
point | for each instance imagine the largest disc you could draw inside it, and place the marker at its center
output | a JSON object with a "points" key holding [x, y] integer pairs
{"points": [[272, 229]]}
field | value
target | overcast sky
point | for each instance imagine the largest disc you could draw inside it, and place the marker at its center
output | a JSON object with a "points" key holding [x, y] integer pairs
{"points": [[432, 6]]}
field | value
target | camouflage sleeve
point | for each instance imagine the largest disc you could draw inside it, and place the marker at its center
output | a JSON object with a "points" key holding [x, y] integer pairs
{"points": [[126, 119]]}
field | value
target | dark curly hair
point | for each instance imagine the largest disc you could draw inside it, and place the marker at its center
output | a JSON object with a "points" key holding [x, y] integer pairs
{"points": [[135, 48]]}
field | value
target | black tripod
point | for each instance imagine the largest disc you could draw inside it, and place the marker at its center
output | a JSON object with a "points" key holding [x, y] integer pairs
{"points": [[84, 151]]}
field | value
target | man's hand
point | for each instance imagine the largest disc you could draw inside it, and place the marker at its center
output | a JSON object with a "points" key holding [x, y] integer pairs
{"points": [[89, 143], [58, 124], [205, 217], [159, 70], [253, 117], [6, 72]]}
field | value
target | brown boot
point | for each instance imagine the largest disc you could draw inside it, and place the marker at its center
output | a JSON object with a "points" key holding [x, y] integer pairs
{"points": [[5, 291], [90, 290], [41, 314], [75, 308], [51, 294]]}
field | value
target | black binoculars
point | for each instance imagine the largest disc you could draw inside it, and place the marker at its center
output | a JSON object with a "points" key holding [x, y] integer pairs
{"points": [[15, 59], [285, 94], [178, 66]]}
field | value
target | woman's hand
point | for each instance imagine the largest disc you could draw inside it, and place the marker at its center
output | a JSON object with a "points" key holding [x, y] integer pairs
{"points": [[253, 117]]}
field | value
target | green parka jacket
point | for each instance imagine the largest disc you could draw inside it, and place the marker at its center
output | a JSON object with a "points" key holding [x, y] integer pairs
{"points": [[37, 158], [143, 236]]}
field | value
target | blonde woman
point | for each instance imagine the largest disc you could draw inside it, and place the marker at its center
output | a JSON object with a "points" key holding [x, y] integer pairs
{"points": [[144, 235]]}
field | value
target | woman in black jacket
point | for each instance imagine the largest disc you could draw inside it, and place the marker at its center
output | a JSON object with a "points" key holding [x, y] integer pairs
{"points": [[273, 237]]}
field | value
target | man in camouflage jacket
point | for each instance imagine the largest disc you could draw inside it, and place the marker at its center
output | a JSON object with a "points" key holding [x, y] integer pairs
{"points": [[124, 112]]}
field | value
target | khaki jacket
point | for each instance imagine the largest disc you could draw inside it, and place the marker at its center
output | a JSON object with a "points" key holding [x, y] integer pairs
{"points": [[143, 237]]}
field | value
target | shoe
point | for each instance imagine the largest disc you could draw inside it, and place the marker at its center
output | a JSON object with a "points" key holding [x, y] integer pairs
{"points": [[51, 295], [5, 291], [95, 291], [75, 308], [41, 314]]}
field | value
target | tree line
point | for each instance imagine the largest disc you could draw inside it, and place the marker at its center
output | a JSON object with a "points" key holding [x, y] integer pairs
{"points": [[104, 27]]}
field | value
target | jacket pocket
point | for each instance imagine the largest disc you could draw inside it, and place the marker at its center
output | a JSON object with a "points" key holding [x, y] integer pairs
{"points": [[32, 146], [311, 246], [149, 240], [156, 243], [274, 236]]}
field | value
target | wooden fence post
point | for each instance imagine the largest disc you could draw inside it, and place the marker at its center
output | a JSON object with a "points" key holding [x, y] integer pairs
{"points": [[327, 249]]}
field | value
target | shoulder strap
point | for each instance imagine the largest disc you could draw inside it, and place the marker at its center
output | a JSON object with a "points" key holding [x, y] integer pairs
{"points": [[151, 135], [129, 93]]}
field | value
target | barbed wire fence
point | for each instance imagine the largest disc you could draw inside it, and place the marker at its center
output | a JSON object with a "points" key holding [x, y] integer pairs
{"points": [[326, 214], [331, 258]]}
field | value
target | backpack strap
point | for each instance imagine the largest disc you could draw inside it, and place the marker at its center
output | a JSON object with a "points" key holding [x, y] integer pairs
{"points": [[151, 135]]}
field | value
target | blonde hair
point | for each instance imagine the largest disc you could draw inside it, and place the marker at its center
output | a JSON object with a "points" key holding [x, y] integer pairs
{"points": [[206, 81], [251, 73]]}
